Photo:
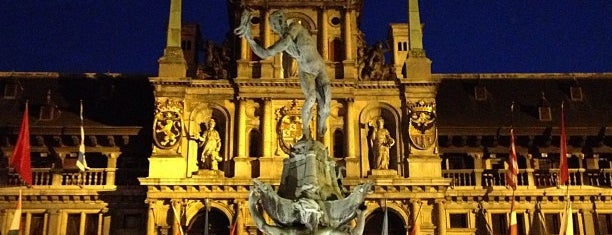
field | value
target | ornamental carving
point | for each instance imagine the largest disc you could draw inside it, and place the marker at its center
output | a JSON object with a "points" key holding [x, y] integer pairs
{"points": [[289, 125], [168, 123], [422, 129]]}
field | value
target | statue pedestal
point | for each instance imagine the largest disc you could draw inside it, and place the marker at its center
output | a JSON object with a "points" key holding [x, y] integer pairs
{"points": [[242, 168], [383, 173], [309, 200], [309, 164], [424, 167], [208, 174]]}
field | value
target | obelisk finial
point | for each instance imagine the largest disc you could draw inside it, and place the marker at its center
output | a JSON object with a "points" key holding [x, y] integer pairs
{"points": [[172, 63]]}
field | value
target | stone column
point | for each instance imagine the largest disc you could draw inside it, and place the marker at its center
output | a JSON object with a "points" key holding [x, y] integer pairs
{"points": [[56, 171], [242, 166], [106, 222], [350, 126], [151, 220], [348, 36], [242, 135], [589, 225], [323, 40], [267, 128], [478, 169], [54, 222], [530, 170], [111, 168], [82, 222], [441, 217]]}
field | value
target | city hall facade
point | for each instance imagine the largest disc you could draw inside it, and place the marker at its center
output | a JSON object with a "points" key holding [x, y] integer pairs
{"points": [[151, 171]]}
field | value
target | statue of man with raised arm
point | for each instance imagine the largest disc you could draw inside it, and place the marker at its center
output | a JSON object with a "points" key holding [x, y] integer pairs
{"points": [[297, 42]]}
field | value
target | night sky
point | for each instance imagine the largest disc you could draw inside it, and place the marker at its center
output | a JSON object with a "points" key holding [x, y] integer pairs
{"points": [[459, 36]]}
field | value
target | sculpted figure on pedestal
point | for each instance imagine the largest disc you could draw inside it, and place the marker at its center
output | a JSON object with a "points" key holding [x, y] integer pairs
{"points": [[210, 143], [380, 142], [296, 41]]}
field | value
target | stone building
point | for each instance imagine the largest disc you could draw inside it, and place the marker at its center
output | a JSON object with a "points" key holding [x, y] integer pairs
{"points": [[159, 163]]}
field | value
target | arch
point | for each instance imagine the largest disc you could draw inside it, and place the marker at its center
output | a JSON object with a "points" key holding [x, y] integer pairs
{"points": [[396, 220], [217, 223], [307, 22], [392, 123], [193, 210]]}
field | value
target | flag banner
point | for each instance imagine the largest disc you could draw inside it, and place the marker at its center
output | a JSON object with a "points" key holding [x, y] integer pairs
{"points": [[563, 168], [538, 223], [15, 224], [482, 224], [416, 227], [567, 222], [512, 171], [81, 162], [20, 159], [385, 225], [177, 220]]}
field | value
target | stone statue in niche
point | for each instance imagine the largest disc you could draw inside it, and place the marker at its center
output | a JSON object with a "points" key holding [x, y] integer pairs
{"points": [[380, 143], [296, 41], [210, 144]]}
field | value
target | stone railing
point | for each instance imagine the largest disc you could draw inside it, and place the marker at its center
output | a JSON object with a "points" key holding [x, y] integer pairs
{"points": [[61, 177], [460, 177], [528, 177], [498, 178]]}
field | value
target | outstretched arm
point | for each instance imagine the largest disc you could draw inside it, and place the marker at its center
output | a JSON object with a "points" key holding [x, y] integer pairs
{"points": [[244, 30]]}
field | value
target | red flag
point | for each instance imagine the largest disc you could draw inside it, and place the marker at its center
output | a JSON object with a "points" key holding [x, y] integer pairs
{"points": [[20, 159], [563, 170], [512, 171], [233, 229]]}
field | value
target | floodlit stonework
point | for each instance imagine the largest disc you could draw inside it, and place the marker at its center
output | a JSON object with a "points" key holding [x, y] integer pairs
{"points": [[445, 170]]}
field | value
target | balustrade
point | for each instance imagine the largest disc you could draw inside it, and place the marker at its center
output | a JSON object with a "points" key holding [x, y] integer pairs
{"points": [[542, 178], [45, 176]]}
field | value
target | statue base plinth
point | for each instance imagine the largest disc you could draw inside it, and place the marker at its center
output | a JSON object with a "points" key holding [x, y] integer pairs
{"points": [[208, 174], [383, 173]]}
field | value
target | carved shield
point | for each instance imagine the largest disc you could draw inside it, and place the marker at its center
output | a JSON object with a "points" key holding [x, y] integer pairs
{"points": [[289, 130], [422, 129], [167, 129]]}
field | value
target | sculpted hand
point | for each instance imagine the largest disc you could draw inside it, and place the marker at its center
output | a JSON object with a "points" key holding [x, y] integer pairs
{"points": [[244, 30]]}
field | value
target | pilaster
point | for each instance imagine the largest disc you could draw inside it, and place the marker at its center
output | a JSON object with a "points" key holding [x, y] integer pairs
{"points": [[242, 164]]}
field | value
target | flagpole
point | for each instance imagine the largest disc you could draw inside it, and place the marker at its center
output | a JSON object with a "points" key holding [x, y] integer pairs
{"points": [[206, 217]]}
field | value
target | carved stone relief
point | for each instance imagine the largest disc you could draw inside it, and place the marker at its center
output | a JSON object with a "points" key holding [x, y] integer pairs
{"points": [[168, 123]]}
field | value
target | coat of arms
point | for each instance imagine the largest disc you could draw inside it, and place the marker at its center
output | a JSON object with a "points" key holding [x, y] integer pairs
{"points": [[289, 126], [422, 121], [167, 125]]}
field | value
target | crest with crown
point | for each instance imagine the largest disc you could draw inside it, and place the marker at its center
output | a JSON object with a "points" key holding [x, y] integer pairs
{"points": [[422, 106], [169, 105]]}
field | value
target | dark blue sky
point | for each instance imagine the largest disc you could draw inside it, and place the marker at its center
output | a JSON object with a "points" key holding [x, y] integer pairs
{"points": [[459, 36]]}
